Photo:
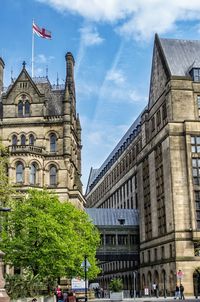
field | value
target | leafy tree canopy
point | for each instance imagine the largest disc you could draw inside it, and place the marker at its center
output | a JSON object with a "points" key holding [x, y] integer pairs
{"points": [[6, 190], [49, 238]]}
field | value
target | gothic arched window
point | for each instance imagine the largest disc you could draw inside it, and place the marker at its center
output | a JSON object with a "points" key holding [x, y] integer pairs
{"points": [[23, 140], [14, 140], [20, 109], [33, 174], [31, 139], [53, 143], [27, 108], [19, 172], [53, 176]]}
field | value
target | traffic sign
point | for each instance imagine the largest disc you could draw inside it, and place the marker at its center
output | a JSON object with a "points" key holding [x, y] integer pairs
{"points": [[180, 274]]}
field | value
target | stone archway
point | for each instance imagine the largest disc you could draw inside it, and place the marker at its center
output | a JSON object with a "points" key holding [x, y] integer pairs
{"points": [[143, 285], [172, 283], [196, 282], [149, 282]]}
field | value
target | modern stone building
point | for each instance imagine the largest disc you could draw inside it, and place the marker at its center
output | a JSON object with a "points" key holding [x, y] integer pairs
{"points": [[40, 127], [156, 168], [118, 253]]}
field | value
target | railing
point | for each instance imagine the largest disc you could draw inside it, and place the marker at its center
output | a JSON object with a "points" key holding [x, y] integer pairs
{"points": [[26, 148]]}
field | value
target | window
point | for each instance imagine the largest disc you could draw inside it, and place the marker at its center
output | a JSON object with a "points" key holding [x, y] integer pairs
{"points": [[162, 252], [110, 239], [27, 108], [198, 101], [53, 176], [197, 202], [155, 254], [196, 75], [149, 256], [23, 106], [164, 111], [31, 139], [23, 140], [122, 239], [158, 118], [196, 170], [19, 172], [33, 172], [170, 251], [20, 109], [52, 143], [195, 144], [152, 124], [14, 140]]}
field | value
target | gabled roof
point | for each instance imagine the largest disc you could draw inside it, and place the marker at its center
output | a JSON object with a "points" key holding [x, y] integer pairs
{"points": [[22, 74], [112, 217], [180, 55]]}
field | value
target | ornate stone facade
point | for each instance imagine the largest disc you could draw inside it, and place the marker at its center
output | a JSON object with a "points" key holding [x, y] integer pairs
{"points": [[156, 168], [40, 127]]}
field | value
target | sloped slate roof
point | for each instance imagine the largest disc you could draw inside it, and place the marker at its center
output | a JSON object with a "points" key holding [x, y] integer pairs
{"points": [[102, 216], [180, 55]]}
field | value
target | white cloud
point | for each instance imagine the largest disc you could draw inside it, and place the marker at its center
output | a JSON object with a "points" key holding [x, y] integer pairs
{"points": [[115, 76], [90, 36], [42, 59], [139, 18]]}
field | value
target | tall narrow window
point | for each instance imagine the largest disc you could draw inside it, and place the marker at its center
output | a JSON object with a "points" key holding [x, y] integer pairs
{"points": [[19, 172], [53, 175], [14, 140], [23, 140], [27, 108], [20, 109], [33, 172], [52, 143], [31, 139]]}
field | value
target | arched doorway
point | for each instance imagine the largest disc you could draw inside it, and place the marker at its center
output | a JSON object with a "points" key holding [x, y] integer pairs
{"points": [[196, 282], [143, 284], [172, 283], [163, 289], [149, 282]]}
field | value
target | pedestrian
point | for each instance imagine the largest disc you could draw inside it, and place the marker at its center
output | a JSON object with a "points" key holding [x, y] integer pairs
{"points": [[182, 297], [59, 295], [154, 286], [177, 292]]}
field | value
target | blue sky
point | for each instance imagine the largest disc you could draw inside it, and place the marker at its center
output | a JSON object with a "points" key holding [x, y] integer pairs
{"points": [[111, 41]]}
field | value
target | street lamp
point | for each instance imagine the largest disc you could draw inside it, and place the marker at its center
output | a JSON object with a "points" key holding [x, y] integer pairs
{"points": [[86, 265], [134, 283], [3, 295]]}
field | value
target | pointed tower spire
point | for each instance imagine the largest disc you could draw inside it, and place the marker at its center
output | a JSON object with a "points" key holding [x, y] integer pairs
{"points": [[70, 73]]}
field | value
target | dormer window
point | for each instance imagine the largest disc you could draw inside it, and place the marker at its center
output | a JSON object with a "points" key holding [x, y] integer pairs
{"points": [[195, 73]]}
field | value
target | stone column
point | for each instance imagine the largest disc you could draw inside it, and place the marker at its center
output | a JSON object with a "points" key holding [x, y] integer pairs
{"points": [[3, 295]]}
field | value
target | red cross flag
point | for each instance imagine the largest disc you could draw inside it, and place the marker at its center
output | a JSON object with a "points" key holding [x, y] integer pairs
{"points": [[41, 32]]}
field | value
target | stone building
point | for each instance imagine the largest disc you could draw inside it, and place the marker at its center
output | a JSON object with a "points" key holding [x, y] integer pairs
{"points": [[118, 254], [156, 168], [40, 127]]}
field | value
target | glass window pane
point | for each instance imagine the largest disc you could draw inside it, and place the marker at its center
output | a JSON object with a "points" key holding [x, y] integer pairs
{"points": [[192, 140], [19, 173], [53, 143], [20, 109], [23, 140], [194, 149], [31, 139], [198, 149], [194, 172], [194, 163], [27, 108], [14, 140], [198, 140], [198, 162]]}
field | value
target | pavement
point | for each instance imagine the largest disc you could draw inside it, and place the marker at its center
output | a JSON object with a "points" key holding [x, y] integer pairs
{"points": [[149, 299]]}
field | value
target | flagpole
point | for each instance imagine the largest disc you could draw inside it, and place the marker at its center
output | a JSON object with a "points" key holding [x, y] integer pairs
{"points": [[33, 40]]}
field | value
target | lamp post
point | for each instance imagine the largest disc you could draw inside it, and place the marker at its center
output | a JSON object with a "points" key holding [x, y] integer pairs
{"points": [[86, 265], [134, 283], [3, 295]]}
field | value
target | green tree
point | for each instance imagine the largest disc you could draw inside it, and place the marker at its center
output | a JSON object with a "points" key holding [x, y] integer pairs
{"points": [[49, 238], [6, 190]]}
